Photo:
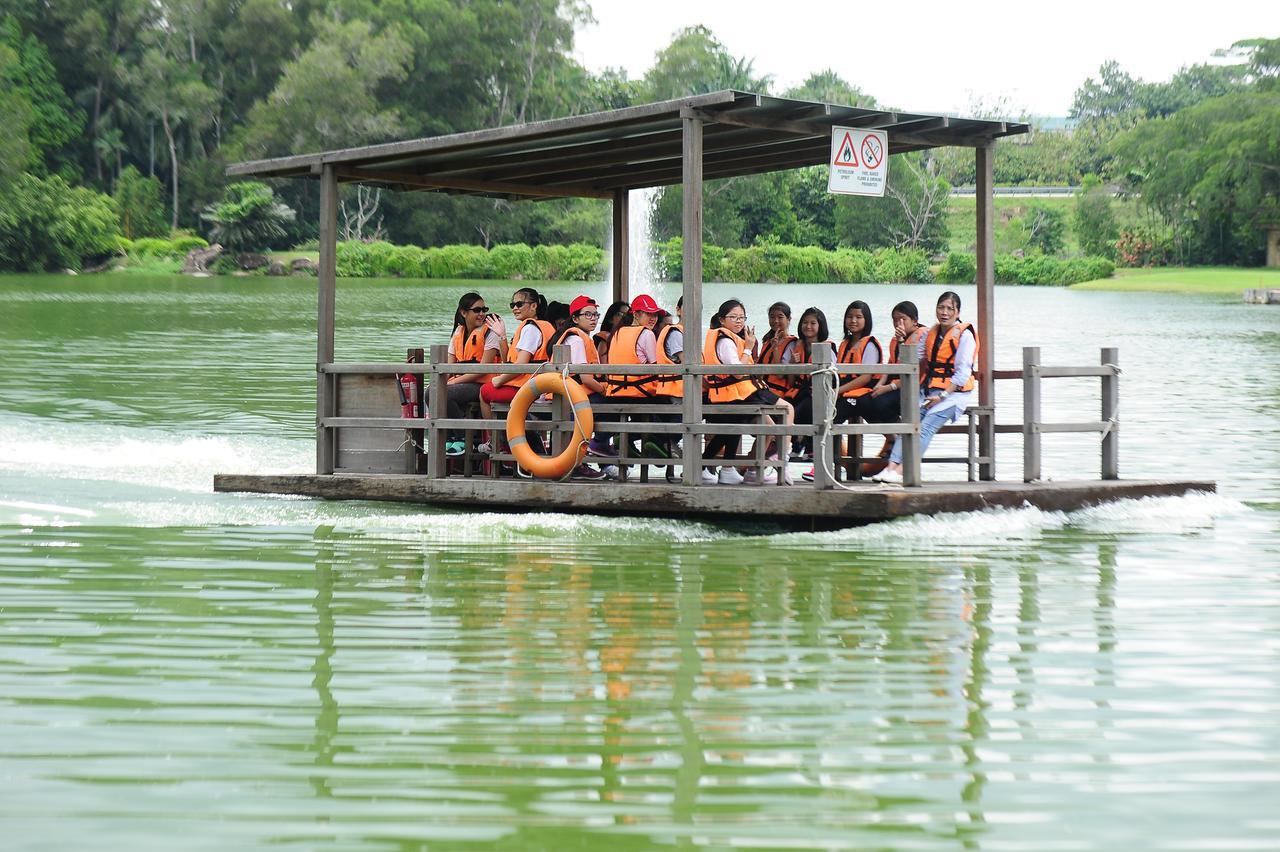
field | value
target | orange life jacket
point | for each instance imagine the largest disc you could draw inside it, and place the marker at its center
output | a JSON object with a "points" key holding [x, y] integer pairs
{"points": [[805, 356], [539, 357], [894, 346], [588, 345], [772, 354], [622, 350], [940, 357], [470, 350], [725, 388], [852, 354], [668, 385]]}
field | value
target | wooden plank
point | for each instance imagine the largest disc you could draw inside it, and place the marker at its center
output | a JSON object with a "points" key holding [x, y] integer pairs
{"points": [[1111, 414], [370, 461], [691, 228], [1030, 413], [986, 314], [801, 506], [326, 298], [1087, 426], [365, 395], [1076, 372], [381, 440], [479, 138], [621, 246], [428, 181]]}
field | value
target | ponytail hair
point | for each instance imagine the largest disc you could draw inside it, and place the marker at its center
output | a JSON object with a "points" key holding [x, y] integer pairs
{"points": [[907, 309], [725, 307], [464, 304], [536, 297]]}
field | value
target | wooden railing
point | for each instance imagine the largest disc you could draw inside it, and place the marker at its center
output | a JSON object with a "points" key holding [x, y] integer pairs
{"points": [[822, 430]]}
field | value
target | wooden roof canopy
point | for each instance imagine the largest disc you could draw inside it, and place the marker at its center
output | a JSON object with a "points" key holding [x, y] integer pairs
{"points": [[593, 156]]}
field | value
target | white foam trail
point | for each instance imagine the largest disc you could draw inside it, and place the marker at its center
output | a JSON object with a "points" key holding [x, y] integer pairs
{"points": [[982, 529], [140, 456]]}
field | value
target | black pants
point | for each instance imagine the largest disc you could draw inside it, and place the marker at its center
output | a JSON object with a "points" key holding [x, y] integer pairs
{"points": [[729, 445], [459, 397], [885, 408]]}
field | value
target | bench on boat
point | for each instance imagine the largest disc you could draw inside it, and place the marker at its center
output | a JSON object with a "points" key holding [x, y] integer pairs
{"points": [[626, 420]]}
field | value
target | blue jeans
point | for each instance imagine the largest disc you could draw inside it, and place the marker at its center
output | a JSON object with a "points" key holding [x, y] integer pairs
{"points": [[930, 423]]}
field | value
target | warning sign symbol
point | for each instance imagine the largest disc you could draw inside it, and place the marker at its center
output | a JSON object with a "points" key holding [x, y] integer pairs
{"points": [[872, 152], [846, 155]]}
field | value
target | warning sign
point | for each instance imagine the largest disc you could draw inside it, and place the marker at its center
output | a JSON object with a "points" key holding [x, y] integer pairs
{"points": [[859, 161]]}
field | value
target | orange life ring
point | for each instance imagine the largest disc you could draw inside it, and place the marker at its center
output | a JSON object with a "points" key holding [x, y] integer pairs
{"points": [[585, 422]]}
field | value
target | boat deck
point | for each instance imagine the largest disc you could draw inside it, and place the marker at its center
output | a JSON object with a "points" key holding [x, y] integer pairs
{"points": [[803, 507]]}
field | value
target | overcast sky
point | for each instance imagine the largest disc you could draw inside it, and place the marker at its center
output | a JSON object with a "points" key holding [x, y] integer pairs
{"points": [[935, 56]]}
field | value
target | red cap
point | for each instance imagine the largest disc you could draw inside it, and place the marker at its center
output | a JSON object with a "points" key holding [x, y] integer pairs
{"points": [[644, 302], [580, 303]]}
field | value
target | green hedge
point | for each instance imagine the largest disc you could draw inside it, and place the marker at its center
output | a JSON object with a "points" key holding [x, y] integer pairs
{"points": [[515, 262], [786, 264], [1036, 271], [156, 247]]}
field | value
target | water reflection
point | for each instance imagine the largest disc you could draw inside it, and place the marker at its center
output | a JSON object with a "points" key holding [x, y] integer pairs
{"points": [[556, 694]]}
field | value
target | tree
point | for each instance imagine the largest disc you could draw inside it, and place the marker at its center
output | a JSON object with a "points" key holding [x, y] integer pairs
{"points": [[829, 87], [909, 214], [45, 224], [328, 97], [247, 218], [1212, 173], [141, 204], [1094, 220], [27, 74], [695, 63]]}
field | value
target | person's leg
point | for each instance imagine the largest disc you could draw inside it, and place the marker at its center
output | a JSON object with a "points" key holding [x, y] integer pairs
{"points": [[929, 426], [459, 398]]}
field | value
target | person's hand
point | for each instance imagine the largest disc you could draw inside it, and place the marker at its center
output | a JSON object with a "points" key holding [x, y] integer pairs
{"points": [[879, 390], [496, 325], [749, 337], [900, 332]]}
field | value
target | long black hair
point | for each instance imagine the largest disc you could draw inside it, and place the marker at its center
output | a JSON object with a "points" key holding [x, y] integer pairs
{"points": [[536, 297], [616, 310], [725, 307], [464, 304], [823, 331], [866, 316]]}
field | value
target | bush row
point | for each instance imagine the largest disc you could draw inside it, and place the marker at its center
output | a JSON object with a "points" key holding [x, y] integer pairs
{"points": [[156, 247], [786, 264], [515, 262], [1028, 271]]}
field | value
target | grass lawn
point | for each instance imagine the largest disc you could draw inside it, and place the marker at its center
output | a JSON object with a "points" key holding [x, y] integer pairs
{"points": [[963, 226], [1220, 280]]}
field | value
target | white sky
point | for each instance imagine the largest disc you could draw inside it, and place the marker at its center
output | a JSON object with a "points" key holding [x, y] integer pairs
{"points": [[932, 56]]}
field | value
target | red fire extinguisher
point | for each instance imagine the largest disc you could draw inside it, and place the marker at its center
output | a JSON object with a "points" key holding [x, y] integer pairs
{"points": [[410, 386]]}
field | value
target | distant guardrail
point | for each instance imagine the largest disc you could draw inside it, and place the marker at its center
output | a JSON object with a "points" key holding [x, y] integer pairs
{"points": [[1024, 191]]}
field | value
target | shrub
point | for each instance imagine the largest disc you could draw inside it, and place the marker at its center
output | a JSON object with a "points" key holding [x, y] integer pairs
{"points": [[248, 218], [1050, 271], [353, 260], [959, 269], [902, 265], [513, 262], [47, 224], [140, 200], [184, 244], [459, 262], [1143, 247]]}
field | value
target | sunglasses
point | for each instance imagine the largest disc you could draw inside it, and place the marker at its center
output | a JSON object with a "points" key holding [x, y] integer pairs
{"points": [[515, 305], [481, 310]]}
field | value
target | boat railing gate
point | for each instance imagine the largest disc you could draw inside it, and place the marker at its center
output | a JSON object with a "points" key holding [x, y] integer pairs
{"points": [[351, 408]]}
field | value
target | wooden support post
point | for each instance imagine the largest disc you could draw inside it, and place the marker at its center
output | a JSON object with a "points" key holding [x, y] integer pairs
{"points": [[986, 317], [1030, 413], [691, 412], [560, 410], [1111, 414], [437, 409], [621, 246], [326, 290], [823, 390], [909, 410]]}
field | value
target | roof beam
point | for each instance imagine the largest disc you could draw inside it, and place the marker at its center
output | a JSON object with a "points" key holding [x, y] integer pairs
{"points": [[408, 179]]}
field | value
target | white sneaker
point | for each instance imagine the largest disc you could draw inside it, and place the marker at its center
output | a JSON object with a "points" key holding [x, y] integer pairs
{"points": [[730, 476], [485, 449], [752, 476], [610, 471], [890, 477], [709, 477]]}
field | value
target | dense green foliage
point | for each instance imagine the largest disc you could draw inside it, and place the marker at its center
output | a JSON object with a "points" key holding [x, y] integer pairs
{"points": [[247, 217], [516, 262], [49, 224], [149, 100]]}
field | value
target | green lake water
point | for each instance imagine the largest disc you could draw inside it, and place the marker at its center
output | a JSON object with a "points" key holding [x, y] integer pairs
{"points": [[184, 669]]}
